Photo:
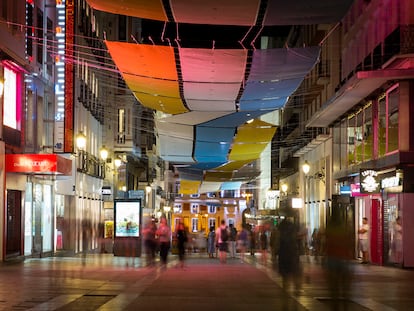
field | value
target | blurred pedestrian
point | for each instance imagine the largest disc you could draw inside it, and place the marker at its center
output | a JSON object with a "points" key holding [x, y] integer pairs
{"points": [[363, 240], [242, 242], [288, 259], [181, 235], [86, 238], [232, 241], [397, 241], [339, 250], [315, 243], [211, 243], [263, 244], [222, 236], [274, 244], [164, 235], [150, 244], [252, 241]]}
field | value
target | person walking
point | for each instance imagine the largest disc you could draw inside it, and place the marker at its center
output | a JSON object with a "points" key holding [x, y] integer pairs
{"points": [[363, 240], [232, 241], [164, 234], [149, 241], [397, 241], [222, 236], [263, 244], [181, 235], [242, 242], [211, 243]]}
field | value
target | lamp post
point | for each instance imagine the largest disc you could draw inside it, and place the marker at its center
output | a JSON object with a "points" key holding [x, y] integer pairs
{"points": [[148, 190], [306, 170], [117, 163]]}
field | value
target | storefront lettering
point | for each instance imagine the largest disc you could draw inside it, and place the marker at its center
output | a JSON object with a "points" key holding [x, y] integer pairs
{"points": [[389, 182], [369, 181], [31, 163]]}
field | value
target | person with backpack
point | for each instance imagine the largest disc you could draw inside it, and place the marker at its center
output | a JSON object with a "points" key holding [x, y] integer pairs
{"points": [[222, 236], [232, 241]]}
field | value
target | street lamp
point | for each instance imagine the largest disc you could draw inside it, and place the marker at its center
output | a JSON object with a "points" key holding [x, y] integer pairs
{"points": [[284, 188], [81, 141], [104, 153], [306, 167]]}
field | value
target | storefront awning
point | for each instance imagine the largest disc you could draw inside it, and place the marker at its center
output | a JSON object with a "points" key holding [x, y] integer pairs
{"points": [[38, 164]]}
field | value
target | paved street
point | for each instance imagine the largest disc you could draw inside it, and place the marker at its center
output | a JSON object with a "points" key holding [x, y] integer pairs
{"points": [[105, 282]]}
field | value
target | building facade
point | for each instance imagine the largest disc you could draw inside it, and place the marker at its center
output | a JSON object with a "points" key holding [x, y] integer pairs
{"points": [[361, 166]]}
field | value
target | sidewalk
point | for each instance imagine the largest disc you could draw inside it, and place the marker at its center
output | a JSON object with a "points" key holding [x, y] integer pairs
{"points": [[106, 282]]}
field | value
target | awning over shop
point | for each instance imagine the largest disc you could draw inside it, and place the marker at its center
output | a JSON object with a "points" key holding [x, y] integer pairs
{"points": [[38, 164]]}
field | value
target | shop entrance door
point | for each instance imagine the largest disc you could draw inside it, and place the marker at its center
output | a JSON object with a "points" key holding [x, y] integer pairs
{"points": [[376, 238], [14, 224]]}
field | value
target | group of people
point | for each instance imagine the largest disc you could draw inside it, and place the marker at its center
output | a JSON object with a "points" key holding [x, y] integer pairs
{"points": [[228, 241], [282, 241], [225, 240], [159, 238]]}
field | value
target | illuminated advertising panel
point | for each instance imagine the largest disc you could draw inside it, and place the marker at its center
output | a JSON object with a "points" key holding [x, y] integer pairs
{"points": [[10, 113], [127, 218]]}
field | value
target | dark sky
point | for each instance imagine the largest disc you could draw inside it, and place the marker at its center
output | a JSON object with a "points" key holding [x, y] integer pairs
{"points": [[202, 36]]}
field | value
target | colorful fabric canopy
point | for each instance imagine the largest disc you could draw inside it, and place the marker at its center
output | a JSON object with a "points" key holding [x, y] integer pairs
{"points": [[208, 95], [205, 125]]}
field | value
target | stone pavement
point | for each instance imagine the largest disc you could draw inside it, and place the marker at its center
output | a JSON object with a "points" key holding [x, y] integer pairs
{"points": [[105, 282]]}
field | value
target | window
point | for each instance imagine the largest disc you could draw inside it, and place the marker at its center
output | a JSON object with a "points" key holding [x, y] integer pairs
{"points": [[393, 115], [359, 137], [368, 138], [211, 209], [49, 51], [121, 126], [194, 224], [351, 140], [382, 126], [178, 208], [39, 36], [211, 223], [195, 208], [194, 196]]}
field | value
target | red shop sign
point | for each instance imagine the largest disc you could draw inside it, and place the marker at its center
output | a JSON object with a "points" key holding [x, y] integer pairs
{"points": [[38, 164]]}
